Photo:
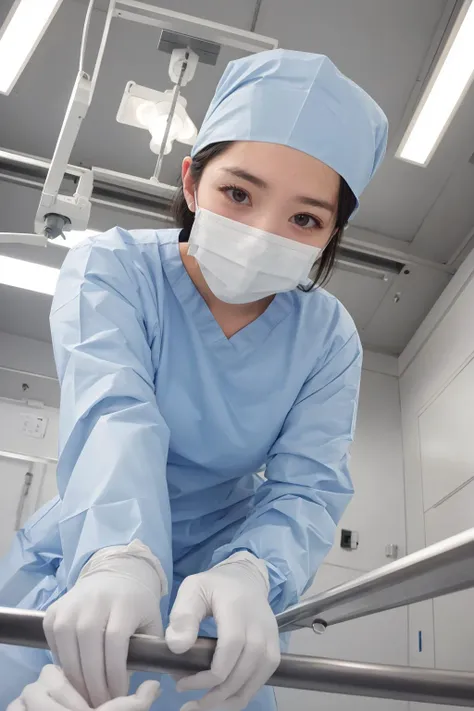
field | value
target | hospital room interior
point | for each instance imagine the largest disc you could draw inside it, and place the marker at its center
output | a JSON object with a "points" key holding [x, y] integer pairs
{"points": [[100, 103]]}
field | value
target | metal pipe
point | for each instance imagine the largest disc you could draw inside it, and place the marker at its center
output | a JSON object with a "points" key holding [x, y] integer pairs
{"points": [[85, 35], [440, 569], [103, 43], [256, 13], [25, 628], [174, 101], [116, 190]]}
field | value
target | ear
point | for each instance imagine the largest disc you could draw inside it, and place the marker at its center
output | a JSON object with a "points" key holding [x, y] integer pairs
{"points": [[188, 183]]}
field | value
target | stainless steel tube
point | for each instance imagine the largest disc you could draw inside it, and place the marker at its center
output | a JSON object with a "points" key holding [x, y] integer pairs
{"points": [[25, 628], [442, 568]]}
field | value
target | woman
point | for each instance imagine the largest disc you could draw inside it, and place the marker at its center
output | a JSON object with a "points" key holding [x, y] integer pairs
{"points": [[189, 360]]}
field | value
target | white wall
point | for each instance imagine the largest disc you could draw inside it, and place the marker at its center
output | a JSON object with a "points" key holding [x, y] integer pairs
{"points": [[30, 362], [376, 513], [437, 401]]}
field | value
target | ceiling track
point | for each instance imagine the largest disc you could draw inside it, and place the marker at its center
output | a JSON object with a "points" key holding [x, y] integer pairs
{"points": [[139, 196]]}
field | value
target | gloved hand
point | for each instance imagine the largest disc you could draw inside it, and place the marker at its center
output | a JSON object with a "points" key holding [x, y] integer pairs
{"points": [[53, 692], [235, 593], [88, 630]]}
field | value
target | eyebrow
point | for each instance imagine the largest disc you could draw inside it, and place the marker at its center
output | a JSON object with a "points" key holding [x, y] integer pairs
{"points": [[260, 183]]}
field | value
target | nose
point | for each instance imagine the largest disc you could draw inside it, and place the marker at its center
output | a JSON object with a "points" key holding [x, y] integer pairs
{"points": [[267, 220]]}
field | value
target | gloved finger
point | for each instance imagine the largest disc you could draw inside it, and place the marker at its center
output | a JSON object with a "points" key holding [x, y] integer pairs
{"points": [[189, 610], [229, 647], [59, 689], [17, 705], [60, 632], [39, 702], [252, 657], [91, 643], [117, 642], [37, 699], [48, 628], [262, 675], [144, 698], [146, 694]]}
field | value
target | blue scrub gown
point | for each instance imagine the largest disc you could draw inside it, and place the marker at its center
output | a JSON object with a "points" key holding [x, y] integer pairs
{"points": [[164, 424]]}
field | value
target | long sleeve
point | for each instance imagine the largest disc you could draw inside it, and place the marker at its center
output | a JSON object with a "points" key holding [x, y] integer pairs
{"points": [[113, 440], [308, 486]]}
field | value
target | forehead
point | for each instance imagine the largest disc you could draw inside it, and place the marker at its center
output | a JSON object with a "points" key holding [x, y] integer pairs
{"points": [[281, 167]]}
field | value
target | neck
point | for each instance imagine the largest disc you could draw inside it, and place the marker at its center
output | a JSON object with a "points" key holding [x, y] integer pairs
{"points": [[252, 310]]}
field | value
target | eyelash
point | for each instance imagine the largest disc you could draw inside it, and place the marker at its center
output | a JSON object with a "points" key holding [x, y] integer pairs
{"points": [[226, 189]]}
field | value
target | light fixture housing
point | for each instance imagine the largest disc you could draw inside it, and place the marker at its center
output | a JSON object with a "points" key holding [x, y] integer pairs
{"points": [[149, 109], [28, 275], [444, 92], [20, 34]]}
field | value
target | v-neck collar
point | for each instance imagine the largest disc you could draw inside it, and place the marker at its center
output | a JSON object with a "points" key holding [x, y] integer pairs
{"points": [[244, 341]]}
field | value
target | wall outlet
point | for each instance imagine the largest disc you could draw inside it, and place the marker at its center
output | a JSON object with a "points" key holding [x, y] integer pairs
{"points": [[34, 425]]}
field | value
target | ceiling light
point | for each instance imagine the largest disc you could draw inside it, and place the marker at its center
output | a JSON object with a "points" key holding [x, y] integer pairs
{"points": [[28, 275], [73, 238], [149, 109], [444, 92], [20, 34]]}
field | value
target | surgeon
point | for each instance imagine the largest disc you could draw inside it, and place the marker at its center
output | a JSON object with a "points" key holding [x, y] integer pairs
{"points": [[190, 360]]}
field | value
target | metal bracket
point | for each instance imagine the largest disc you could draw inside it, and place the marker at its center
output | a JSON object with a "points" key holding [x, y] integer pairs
{"points": [[208, 52]]}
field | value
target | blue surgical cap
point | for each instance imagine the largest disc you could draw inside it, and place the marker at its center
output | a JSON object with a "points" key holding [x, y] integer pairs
{"points": [[300, 100]]}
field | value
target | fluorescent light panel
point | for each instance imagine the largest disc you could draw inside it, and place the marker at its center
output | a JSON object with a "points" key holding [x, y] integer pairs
{"points": [[21, 33], [27, 275], [444, 93]]}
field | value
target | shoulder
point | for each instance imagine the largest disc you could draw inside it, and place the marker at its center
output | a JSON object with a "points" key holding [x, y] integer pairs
{"points": [[119, 250], [128, 243], [126, 261], [326, 323]]}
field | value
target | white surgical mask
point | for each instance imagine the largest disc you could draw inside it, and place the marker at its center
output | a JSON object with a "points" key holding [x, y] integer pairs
{"points": [[242, 264]]}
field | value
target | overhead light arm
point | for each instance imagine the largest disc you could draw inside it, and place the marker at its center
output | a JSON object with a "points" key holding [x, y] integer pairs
{"points": [[75, 211]]}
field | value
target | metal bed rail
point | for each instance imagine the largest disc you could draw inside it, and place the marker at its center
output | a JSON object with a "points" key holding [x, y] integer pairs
{"points": [[440, 569], [25, 628]]}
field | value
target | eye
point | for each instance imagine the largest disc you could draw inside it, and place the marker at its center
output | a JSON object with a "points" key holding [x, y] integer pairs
{"points": [[237, 195], [306, 222]]}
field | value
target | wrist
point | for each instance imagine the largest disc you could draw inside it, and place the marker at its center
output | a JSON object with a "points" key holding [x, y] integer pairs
{"points": [[135, 561], [254, 566]]}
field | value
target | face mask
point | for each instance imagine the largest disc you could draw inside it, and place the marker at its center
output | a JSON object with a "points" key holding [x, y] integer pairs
{"points": [[242, 264]]}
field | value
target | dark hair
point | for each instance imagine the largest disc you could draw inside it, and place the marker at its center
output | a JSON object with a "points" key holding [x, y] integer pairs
{"points": [[347, 202]]}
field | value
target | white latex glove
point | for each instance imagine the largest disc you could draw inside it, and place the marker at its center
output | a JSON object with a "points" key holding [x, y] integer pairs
{"points": [[88, 630], [235, 593], [53, 692]]}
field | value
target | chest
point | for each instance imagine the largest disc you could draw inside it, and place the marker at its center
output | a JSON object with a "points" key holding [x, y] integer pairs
{"points": [[224, 406], [231, 321]]}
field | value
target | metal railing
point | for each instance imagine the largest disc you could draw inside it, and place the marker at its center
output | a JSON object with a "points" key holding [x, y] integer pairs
{"points": [[438, 570], [442, 568]]}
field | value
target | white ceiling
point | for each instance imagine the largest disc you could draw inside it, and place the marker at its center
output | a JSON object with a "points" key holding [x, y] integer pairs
{"points": [[385, 45]]}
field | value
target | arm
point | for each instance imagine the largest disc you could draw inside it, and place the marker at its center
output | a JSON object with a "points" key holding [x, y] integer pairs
{"points": [[114, 522], [308, 484], [113, 440]]}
